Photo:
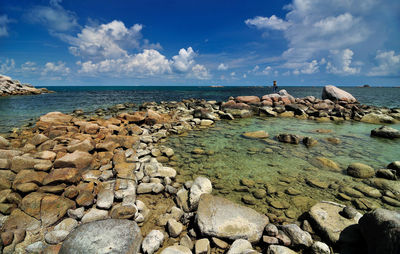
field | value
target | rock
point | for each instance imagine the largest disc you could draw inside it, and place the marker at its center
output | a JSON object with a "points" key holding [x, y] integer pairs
{"points": [[176, 249], [360, 170], [327, 219], [349, 212], [391, 201], [187, 242], [298, 237], [201, 185], [77, 159], [378, 118], [386, 132], [4, 142], [386, 173], [325, 162], [202, 246], [56, 236], [240, 246], [222, 218], [123, 212], [38, 139], [174, 228], [36, 247], [270, 240], [94, 215], [250, 200], [206, 122], [20, 220], [288, 138], [336, 94], [152, 242], [76, 213], [278, 249], [62, 175], [271, 230], [56, 118], [84, 146], [105, 236], [309, 141], [219, 243], [85, 198], [105, 199], [381, 231], [316, 183], [395, 165], [53, 208], [248, 99], [256, 134], [67, 224], [320, 248]]}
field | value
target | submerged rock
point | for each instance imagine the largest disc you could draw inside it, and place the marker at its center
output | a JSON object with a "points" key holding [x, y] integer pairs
{"points": [[381, 231], [222, 218], [105, 236], [386, 132], [256, 134], [360, 170]]}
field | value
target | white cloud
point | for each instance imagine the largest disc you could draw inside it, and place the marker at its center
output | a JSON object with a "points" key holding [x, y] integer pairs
{"points": [[303, 68], [200, 72], [267, 70], [233, 74], [184, 60], [388, 64], [4, 20], [272, 23], [7, 66], [340, 61], [245, 75], [54, 17], [52, 69], [105, 41], [29, 66], [222, 67]]}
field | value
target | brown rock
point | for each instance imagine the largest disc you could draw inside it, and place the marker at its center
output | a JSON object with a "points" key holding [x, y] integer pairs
{"points": [[77, 159], [136, 117], [38, 139], [85, 198], [123, 212], [62, 175], [20, 220], [55, 118], [5, 164], [4, 183], [248, 99], [7, 208], [27, 187], [125, 170], [54, 208], [56, 189], [107, 146], [71, 192], [256, 134], [31, 204], [152, 117], [19, 163], [7, 237], [84, 146], [29, 176], [9, 154]]}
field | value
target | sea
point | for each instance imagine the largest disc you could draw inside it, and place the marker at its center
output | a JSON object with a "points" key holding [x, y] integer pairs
{"points": [[16, 111]]}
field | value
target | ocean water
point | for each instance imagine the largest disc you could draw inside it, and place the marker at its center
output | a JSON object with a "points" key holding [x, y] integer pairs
{"points": [[18, 110]]}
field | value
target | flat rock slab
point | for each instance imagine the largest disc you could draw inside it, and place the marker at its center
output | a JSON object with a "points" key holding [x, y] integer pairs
{"points": [[222, 218], [104, 236]]}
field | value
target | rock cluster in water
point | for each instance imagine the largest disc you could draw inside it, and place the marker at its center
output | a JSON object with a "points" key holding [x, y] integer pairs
{"points": [[74, 184], [14, 87]]}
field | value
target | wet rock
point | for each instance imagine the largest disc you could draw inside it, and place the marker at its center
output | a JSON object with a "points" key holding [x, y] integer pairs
{"points": [[316, 183], [77, 159], [259, 193], [222, 218], [360, 170], [201, 185], [289, 138], [256, 134], [325, 162], [120, 236], [386, 132], [279, 204], [152, 242], [176, 249], [351, 192], [240, 246], [309, 141], [320, 248], [278, 249], [298, 237], [327, 218], [391, 201], [336, 94]]}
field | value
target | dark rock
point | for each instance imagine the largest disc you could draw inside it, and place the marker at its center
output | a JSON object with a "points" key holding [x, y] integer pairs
{"points": [[385, 132], [289, 138]]}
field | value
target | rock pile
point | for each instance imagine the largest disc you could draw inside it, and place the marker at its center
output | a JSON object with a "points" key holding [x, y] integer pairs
{"points": [[14, 87]]}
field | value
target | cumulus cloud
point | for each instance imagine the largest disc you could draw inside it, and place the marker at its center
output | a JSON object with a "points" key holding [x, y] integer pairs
{"points": [[55, 70], [388, 64], [271, 23], [200, 72], [4, 20], [29, 66], [340, 61], [267, 70], [54, 17], [7, 66], [184, 60], [222, 67]]}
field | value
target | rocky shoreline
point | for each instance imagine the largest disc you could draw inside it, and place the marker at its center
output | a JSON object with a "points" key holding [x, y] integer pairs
{"points": [[76, 184], [14, 87]]}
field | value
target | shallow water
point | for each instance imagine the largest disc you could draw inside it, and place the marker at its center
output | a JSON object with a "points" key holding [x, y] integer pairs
{"points": [[271, 164]]}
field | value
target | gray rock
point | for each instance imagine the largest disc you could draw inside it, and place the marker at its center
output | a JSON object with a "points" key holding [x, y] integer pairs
{"points": [[240, 246], [336, 94], [278, 249], [36, 247], [320, 248], [152, 242], [105, 199], [186, 241], [201, 185], [349, 212], [386, 132], [174, 227], [76, 213], [55, 236], [271, 230], [176, 249], [298, 237], [222, 218], [67, 224], [105, 236], [381, 231], [94, 214]]}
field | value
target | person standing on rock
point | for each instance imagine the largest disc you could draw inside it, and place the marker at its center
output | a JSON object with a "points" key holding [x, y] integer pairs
{"points": [[275, 87]]}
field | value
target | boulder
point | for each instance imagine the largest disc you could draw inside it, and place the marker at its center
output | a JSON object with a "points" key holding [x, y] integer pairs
{"points": [[55, 118], [152, 242], [53, 208], [77, 159], [386, 132], [336, 94], [327, 218], [62, 175], [381, 231], [298, 237], [201, 185], [248, 99], [395, 165], [377, 118], [222, 218], [256, 134], [105, 236], [360, 170]]}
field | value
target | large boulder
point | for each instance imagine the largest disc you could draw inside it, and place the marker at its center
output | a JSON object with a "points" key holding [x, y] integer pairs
{"points": [[55, 118], [360, 170], [201, 185], [378, 118], [248, 99], [386, 132], [221, 218], [104, 236], [327, 218], [336, 94], [381, 231]]}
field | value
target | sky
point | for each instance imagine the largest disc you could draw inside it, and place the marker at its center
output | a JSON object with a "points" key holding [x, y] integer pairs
{"points": [[207, 42]]}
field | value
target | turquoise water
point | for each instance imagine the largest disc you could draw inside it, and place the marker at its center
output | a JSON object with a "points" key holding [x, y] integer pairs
{"points": [[229, 157], [17, 110]]}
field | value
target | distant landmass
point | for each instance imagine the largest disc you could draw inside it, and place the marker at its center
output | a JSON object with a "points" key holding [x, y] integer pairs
{"points": [[8, 86]]}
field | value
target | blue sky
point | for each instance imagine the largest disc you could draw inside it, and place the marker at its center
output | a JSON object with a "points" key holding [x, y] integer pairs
{"points": [[224, 42]]}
